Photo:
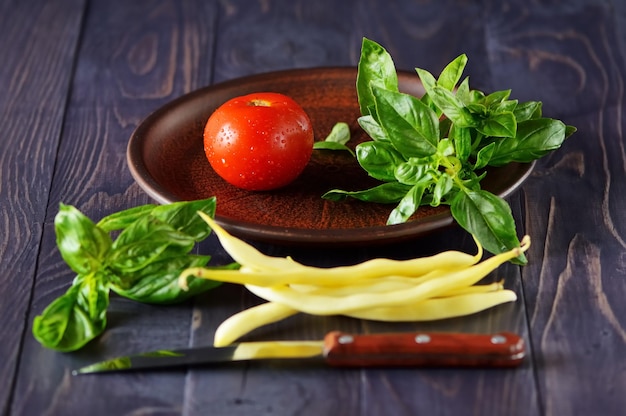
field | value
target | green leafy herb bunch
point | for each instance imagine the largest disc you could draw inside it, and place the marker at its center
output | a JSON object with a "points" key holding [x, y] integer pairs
{"points": [[143, 263], [434, 149]]}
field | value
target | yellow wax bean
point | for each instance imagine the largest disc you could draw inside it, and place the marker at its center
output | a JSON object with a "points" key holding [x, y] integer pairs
{"points": [[245, 254], [253, 260], [430, 309], [328, 305], [491, 287], [332, 277], [416, 267], [232, 276], [245, 321], [437, 308], [378, 285], [317, 276], [410, 268], [389, 284]]}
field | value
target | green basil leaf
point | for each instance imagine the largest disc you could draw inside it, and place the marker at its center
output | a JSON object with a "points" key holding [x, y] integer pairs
{"points": [[484, 156], [445, 128], [443, 186], [340, 133], [445, 147], [183, 216], [452, 107], [462, 139], [534, 139], [375, 68], [478, 109], [332, 146], [451, 74], [372, 128], [477, 96], [386, 193], [82, 245], [123, 219], [76, 317], [379, 159], [504, 107], [488, 217], [145, 241], [409, 173], [527, 110], [428, 80], [371, 110], [336, 139], [157, 283], [408, 205], [411, 126], [498, 125], [497, 97], [569, 130], [463, 92]]}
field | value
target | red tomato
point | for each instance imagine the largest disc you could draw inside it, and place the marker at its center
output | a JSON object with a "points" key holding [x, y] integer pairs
{"points": [[259, 141]]}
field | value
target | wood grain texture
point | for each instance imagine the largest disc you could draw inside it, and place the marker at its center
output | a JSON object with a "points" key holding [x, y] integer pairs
{"points": [[34, 85], [78, 77], [364, 392], [574, 284], [131, 60], [263, 36]]}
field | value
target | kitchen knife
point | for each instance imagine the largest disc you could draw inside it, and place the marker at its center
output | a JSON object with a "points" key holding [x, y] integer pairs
{"points": [[344, 350]]}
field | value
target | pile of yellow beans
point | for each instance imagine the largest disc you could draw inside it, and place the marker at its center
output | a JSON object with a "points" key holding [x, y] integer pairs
{"points": [[426, 288]]}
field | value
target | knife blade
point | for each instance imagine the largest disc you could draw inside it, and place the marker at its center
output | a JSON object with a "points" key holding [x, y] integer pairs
{"points": [[341, 349]]}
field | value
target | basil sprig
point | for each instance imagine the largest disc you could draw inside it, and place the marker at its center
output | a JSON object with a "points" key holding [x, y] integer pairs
{"points": [[142, 263], [432, 150], [336, 139]]}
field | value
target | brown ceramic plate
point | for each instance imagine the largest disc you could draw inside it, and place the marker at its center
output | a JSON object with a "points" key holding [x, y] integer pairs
{"points": [[165, 156]]}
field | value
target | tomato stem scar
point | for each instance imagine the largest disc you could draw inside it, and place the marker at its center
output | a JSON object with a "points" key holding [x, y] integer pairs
{"points": [[259, 103]]}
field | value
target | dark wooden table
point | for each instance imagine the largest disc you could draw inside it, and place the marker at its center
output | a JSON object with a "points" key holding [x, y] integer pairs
{"points": [[77, 77]]}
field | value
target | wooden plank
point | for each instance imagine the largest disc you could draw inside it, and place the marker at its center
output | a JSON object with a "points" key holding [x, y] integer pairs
{"points": [[574, 284], [132, 59], [307, 34], [34, 80], [265, 36]]}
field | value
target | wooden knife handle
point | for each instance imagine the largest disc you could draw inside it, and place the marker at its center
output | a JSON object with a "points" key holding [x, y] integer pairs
{"points": [[424, 349]]}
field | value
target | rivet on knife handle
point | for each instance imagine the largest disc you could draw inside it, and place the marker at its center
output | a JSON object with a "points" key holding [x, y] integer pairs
{"points": [[424, 349]]}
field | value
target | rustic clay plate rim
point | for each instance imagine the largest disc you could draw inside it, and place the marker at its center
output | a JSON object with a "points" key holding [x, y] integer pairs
{"points": [[369, 235]]}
